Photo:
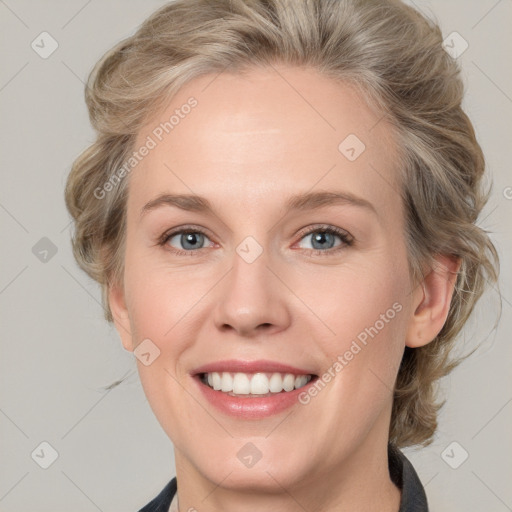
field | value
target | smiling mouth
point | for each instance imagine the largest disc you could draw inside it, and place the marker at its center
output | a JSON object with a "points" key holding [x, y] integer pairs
{"points": [[254, 385]]}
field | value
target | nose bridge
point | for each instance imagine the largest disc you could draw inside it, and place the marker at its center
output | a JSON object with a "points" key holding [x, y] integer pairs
{"points": [[251, 297]]}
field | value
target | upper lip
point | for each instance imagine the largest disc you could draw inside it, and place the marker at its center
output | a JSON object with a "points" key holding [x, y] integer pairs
{"points": [[261, 365]]}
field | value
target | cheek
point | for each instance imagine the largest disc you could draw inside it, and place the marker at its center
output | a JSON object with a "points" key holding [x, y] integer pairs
{"points": [[160, 298], [165, 306], [361, 312], [348, 299], [160, 309]]}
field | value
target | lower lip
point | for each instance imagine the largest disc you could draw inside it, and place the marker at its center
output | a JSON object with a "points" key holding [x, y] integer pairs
{"points": [[251, 408]]}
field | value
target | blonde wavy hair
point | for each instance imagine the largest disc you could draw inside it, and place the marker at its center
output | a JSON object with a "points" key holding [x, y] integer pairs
{"points": [[392, 54]]}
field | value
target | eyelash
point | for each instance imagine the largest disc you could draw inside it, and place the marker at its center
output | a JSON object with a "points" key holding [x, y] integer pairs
{"points": [[346, 239]]}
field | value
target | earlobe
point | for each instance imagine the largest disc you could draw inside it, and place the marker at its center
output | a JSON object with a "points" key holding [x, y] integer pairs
{"points": [[120, 315], [432, 299]]}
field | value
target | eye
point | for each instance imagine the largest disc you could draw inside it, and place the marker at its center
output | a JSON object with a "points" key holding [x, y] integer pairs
{"points": [[320, 240], [326, 239], [185, 240]]}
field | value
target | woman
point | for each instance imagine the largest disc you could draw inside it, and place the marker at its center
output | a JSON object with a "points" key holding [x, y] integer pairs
{"points": [[280, 207]]}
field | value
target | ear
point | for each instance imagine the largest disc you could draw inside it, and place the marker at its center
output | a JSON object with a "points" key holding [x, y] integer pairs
{"points": [[432, 298], [119, 311]]}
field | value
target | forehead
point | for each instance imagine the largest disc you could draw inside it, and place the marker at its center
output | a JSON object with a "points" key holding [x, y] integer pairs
{"points": [[265, 131]]}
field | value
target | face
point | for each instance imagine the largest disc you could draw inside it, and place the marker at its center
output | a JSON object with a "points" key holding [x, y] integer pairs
{"points": [[296, 271]]}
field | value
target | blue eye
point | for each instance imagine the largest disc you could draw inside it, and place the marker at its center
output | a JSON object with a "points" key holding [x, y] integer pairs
{"points": [[322, 239], [186, 240]]}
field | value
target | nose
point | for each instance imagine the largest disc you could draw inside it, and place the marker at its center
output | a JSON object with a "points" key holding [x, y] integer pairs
{"points": [[252, 300]]}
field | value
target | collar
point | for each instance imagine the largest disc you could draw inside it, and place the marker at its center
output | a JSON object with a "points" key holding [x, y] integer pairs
{"points": [[405, 478]]}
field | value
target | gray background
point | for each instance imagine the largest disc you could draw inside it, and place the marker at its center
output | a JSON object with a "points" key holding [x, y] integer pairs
{"points": [[57, 352]]}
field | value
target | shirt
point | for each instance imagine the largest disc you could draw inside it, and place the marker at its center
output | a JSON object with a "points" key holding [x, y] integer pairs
{"points": [[401, 471]]}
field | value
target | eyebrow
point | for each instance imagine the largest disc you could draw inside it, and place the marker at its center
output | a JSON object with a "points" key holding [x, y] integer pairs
{"points": [[300, 202]]}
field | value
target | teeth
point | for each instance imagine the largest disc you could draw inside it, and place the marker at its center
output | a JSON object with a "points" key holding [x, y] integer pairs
{"points": [[216, 381], [226, 382], [289, 382], [301, 380], [259, 384], [276, 383], [254, 383], [241, 384]]}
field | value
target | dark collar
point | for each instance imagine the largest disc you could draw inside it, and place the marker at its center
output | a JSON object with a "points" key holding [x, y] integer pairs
{"points": [[401, 471], [163, 501], [405, 478]]}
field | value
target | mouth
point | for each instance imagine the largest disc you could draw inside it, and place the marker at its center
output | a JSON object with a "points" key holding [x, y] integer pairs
{"points": [[251, 385], [252, 390]]}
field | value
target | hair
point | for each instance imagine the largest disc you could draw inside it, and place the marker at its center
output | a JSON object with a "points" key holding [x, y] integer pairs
{"points": [[393, 55]]}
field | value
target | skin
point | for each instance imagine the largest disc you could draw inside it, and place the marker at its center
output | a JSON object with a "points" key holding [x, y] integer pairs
{"points": [[252, 141]]}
